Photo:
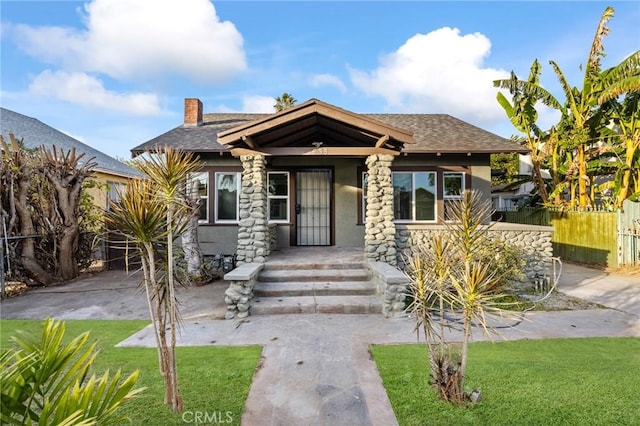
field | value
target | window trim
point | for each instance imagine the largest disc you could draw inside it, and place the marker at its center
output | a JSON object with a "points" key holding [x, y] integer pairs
{"points": [[235, 221], [204, 198], [439, 170], [446, 198], [279, 197], [413, 197], [462, 187]]}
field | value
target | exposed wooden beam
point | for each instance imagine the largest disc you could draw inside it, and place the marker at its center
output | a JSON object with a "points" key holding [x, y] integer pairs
{"points": [[384, 139], [228, 136], [322, 151], [345, 118], [369, 124], [249, 141]]}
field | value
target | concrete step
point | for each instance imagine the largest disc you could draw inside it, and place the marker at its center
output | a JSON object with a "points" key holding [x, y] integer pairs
{"points": [[316, 305], [274, 266], [314, 288], [319, 275]]}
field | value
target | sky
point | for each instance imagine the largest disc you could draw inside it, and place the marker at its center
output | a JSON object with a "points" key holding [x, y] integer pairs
{"points": [[114, 73]]}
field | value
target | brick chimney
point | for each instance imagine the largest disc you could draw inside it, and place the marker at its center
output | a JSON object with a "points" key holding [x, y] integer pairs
{"points": [[192, 112]]}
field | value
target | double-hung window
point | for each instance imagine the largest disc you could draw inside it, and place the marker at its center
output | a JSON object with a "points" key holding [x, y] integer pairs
{"points": [[278, 197], [414, 196], [453, 188], [199, 188], [227, 196]]}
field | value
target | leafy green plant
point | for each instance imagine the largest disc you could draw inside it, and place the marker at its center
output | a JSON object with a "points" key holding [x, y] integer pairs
{"points": [[45, 381]]}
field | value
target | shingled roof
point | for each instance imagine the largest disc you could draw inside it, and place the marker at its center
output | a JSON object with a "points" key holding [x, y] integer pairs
{"points": [[432, 133], [35, 134]]}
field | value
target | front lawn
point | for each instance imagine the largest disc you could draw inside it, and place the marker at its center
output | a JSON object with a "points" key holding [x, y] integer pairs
{"points": [[594, 381], [214, 380]]}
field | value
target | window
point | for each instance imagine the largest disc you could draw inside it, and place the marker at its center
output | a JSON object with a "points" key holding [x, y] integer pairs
{"points": [[227, 197], [115, 190], [199, 188], [453, 187], [278, 196], [414, 196]]}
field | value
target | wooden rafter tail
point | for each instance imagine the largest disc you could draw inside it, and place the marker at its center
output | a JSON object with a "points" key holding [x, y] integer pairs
{"points": [[382, 141], [249, 141]]}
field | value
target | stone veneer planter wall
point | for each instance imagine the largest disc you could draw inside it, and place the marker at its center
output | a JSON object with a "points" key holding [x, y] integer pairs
{"points": [[254, 235], [535, 241], [380, 230]]}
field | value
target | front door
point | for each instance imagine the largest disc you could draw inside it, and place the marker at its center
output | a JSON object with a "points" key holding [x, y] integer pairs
{"points": [[313, 207]]}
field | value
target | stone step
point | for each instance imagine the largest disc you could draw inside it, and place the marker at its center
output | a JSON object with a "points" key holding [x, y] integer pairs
{"points": [[319, 275], [276, 266], [316, 305], [314, 288]]}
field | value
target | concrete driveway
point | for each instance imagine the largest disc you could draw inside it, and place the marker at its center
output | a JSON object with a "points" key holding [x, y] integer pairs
{"points": [[110, 295]]}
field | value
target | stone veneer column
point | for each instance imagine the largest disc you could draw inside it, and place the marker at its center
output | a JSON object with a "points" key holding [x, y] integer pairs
{"points": [[380, 231], [253, 232]]}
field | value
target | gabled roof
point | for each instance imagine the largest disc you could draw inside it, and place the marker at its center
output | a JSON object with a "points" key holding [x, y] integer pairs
{"points": [[35, 134], [297, 126], [316, 122]]}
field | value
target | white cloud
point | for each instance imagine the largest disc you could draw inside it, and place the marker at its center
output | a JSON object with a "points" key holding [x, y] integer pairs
{"points": [[83, 89], [438, 72], [327, 80], [253, 104], [142, 38], [258, 104]]}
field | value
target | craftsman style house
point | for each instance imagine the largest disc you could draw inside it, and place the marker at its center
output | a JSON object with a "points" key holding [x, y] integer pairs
{"points": [[318, 175]]}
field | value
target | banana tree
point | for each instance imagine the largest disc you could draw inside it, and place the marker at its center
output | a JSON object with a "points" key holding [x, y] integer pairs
{"points": [[523, 115], [624, 79], [583, 105]]}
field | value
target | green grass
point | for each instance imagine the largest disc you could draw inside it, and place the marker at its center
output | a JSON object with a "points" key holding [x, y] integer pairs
{"points": [[591, 381], [213, 380]]}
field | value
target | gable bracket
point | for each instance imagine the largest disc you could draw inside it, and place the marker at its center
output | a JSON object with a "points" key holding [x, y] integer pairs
{"points": [[383, 140]]}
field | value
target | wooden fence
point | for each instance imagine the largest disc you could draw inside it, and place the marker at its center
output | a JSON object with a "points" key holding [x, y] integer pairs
{"points": [[595, 237]]}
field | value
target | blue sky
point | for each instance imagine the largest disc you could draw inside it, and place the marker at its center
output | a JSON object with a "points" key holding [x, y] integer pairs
{"points": [[114, 73]]}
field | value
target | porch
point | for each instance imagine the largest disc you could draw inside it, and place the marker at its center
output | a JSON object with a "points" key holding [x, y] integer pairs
{"points": [[309, 280]]}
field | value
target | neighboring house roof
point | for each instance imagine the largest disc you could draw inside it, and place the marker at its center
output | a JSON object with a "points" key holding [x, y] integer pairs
{"points": [[431, 133], [35, 134]]}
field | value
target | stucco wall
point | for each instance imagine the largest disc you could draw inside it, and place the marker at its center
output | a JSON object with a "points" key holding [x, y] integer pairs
{"points": [[345, 176], [99, 194], [216, 239]]}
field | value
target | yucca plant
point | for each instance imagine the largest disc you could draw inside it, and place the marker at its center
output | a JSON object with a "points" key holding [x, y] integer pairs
{"points": [[47, 382], [428, 268], [151, 213], [456, 280]]}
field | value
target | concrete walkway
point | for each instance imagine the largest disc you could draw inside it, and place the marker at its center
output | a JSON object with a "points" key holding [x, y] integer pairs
{"points": [[317, 369]]}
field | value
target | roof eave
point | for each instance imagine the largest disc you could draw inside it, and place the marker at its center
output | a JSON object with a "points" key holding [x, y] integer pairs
{"points": [[464, 151]]}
